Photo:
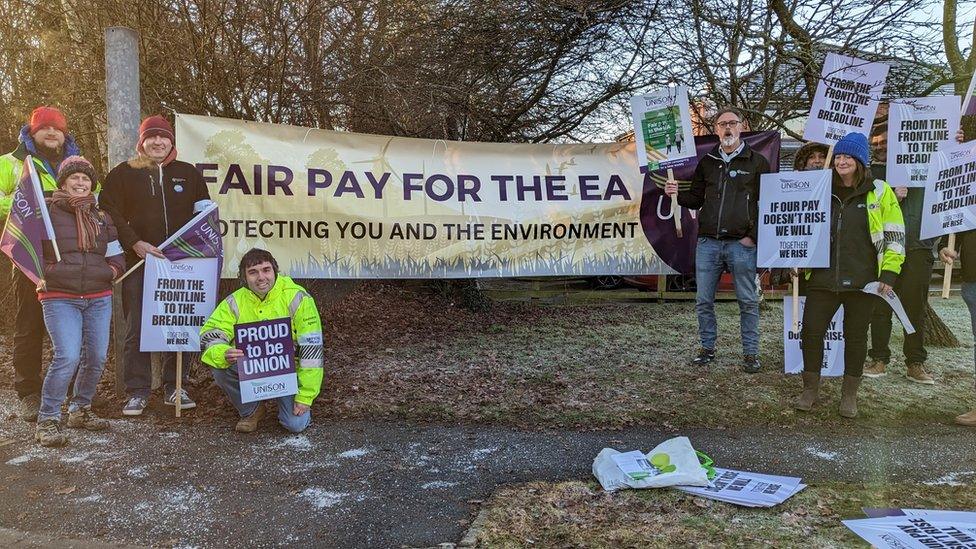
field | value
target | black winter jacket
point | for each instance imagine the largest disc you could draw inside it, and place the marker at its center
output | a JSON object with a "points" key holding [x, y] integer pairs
{"points": [[78, 272], [149, 202], [726, 194], [853, 257]]}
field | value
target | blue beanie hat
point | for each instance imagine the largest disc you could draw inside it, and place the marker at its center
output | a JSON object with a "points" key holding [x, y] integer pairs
{"points": [[855, 145]]}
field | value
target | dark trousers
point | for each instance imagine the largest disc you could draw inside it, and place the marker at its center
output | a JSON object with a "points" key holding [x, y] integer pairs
{"points": [[913, 291], [819, 310], [138, 365], [29, 333]]}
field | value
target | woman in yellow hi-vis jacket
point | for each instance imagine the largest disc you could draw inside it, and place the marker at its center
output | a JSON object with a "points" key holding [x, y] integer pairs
{"points": [[267, 295], [867, 244]]}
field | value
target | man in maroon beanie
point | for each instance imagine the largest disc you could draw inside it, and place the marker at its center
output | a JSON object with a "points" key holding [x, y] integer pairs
{"points": [[149, 198], [45, 138]]}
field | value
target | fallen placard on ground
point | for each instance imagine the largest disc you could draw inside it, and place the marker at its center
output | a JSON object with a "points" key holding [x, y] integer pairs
{"points": [[922, 528], [746, 488]]}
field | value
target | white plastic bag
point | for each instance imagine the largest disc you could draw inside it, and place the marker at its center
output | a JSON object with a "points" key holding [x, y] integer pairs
{"points": [[671, 463]]}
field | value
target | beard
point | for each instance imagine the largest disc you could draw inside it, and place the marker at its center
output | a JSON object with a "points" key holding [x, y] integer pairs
{"points": [[48, 152], [729, 140]]}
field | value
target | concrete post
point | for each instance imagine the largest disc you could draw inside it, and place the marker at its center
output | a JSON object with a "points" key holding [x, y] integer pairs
{"points": [[122, 106]]}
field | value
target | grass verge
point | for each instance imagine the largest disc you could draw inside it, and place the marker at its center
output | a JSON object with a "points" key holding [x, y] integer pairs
{"points": [[580, 514]]}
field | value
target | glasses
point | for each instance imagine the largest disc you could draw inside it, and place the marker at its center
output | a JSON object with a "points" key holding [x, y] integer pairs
{"points": [[729, 124]]}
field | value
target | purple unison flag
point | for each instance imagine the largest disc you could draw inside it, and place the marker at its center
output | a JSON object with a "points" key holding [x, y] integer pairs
{"points": [[25, 229], [199, 238]]}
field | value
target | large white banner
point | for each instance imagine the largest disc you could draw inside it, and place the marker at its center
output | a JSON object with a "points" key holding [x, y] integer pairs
{"points": [[950, 195], [794, 219], [833, 361], [917, 128], [177, 298], [662, 128], [846, 100], [345, 205]]}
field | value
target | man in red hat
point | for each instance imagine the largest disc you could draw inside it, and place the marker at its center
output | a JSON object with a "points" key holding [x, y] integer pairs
{"points": [[45, 138], [149, 198]]}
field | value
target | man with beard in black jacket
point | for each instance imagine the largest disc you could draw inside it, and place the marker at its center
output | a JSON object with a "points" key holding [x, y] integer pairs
{"points": [[725, 188], [149, 198]]}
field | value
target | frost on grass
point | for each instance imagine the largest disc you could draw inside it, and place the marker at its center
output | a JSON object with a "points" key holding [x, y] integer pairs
{"points": [[961, 478], [438, 485], [355, 453], [294, 442], [321, 498], [822, 454]]}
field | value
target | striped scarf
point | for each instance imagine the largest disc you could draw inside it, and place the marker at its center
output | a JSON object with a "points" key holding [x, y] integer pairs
{"points": [[86, 216]]}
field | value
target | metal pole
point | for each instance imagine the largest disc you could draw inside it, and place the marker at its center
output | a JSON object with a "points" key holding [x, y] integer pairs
{"points": [[122, 107]]}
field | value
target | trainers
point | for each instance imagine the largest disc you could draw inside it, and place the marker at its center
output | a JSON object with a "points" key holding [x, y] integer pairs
{"points": [[185, 401], [249, 424], [29, 405], [48, 433], [917, 374], [968, 419], [705, 356], [750, 364], [135, 406], [874, 368], [84, 418]]}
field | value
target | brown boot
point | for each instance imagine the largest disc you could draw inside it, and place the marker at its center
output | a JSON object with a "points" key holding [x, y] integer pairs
{"points": [[811, 387], [918, 374], [848, 396], [249, 424], [968, 419], [874, 368]]}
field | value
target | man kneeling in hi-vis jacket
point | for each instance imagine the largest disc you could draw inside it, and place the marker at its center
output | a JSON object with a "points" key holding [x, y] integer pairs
{"points": [[267, 295]]}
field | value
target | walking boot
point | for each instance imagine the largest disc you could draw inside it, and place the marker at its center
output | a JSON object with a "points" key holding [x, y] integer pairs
{"points": [[811, 388], [968, 419], [874, 368], [249, 424], [848, 396], [918, 374]]}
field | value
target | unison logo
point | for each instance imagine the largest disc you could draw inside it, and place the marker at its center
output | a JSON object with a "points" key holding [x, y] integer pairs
{"points": [[851, 69], [261, 388], [920, 108], [655, 101], [790, 185], [182, 267]]}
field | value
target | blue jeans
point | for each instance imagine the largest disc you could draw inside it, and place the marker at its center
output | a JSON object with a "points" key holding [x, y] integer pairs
{"points": [[79, 330], [710, 256], [228, 381], [969, 296]]}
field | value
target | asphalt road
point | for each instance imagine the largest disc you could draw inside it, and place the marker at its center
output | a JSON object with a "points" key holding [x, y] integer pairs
{"points": [[376, 484]]}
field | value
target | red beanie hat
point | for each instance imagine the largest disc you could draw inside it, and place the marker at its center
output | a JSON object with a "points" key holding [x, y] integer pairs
{"points": [[156, 126], [43, 117]]}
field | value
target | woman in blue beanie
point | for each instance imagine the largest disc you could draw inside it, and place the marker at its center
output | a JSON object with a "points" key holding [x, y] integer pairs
{"points": [[867, 244]]}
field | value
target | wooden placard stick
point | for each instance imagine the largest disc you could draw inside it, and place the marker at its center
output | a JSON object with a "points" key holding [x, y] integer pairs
{"points": [[947, 274], [675, 209]]}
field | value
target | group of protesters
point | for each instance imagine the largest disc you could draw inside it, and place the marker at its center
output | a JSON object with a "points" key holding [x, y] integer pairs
{"points": [[874, 236], [102, 232]]}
